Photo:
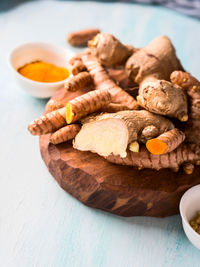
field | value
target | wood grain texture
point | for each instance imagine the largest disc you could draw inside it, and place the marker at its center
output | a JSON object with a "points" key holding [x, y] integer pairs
{"points": [[118, 189]]}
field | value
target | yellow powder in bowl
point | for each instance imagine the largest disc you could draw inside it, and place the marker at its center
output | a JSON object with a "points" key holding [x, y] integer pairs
{"points": [[43, 72]]}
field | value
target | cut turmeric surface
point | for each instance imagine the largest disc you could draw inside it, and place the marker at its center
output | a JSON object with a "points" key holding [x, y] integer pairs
{"points": [[102, 81], [43, 72], [65, 133], [85, 104], [166, 142], [112, 132]]}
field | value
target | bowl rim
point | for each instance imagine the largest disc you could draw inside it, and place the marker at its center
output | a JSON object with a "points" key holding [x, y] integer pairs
{"points": [[182, 213], [58, 47]]}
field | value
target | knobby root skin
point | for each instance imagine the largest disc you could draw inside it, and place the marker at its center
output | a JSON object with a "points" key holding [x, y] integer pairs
{"points": [[188, 168], [112, 132], [86, 104], [80, 81], [112, 108], [53, 104], [78, 67], [78, 56], [148, 132], [81, 38], [144, 159], [102, 81], [162, 97], [65, 133], [109, 50], [186, 81], [48, 123], [166, 142], [192, 87], [158, 59]]}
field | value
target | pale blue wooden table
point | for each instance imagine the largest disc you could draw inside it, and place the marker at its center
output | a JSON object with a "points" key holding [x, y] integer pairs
{"points": [[40, 224]]}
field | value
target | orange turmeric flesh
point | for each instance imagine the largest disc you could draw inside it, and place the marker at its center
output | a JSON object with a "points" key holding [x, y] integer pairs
{"points": [[69, 113], [156, 146], [43, 72]]}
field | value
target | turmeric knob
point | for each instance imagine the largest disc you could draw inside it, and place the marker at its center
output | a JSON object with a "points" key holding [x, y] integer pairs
{"points": [[109, 50], [78, 82], [80, 38], [53, 104], [48, 123], [78, 67], [166, 142], [65, 133]]}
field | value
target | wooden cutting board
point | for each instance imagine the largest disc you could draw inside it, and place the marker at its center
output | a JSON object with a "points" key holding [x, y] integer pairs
{"points": [[121, 190]]}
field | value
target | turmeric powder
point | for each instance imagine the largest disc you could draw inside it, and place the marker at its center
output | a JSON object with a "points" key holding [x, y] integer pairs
{"points": [[43, 72]]}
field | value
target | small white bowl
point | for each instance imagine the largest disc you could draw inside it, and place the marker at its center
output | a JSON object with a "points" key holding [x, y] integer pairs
{"points": [[189, 205], [46, 52]]}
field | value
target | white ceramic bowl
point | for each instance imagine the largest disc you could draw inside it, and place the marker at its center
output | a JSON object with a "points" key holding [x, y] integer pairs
{"points": [[189, 205], [30, 52]]}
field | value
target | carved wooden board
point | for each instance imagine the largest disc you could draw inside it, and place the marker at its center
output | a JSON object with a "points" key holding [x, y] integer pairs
{"points": [[121, 190]]}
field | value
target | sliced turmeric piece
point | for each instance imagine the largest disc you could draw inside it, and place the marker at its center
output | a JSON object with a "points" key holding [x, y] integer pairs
{"points": [[111, 133], [85, 104], [166, 142]]}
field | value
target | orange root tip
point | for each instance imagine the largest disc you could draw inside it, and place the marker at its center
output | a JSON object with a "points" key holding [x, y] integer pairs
{"points": [[69, 113], [156, 147]]}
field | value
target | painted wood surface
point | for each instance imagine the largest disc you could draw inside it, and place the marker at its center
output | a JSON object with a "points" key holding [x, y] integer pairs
{"points": [[40, 224]]}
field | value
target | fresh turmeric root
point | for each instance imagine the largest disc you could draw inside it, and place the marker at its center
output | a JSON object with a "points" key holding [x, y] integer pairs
{"points": [[157, 60], [112, 132], [102, 81], [85, 104], [186, 81], [74, 110], [162, 97], [78, 82], [192, 87], [112, 108], [53, 104], [48, 123], [80, 38], [144, 159], [64, 134], [78, 67], [109, 50], [166, 142]]}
